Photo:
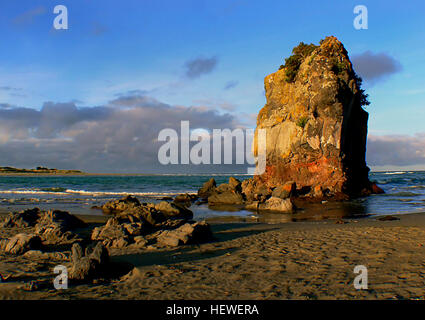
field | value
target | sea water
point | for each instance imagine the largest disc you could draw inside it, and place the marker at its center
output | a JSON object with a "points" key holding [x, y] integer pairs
{"points": [[404, 193]]}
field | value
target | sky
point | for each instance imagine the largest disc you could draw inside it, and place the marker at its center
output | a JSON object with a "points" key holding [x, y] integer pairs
{"points": [[95, 96]]}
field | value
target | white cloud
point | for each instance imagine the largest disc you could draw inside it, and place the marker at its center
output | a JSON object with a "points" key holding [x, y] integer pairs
{"points": [[396, 150]]}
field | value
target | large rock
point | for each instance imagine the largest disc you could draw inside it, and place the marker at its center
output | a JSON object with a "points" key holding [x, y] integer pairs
{"points": [[316, 128], [112, 234], [117, 206], [173, 210], [277, 205], [254, 190], [189, 233], [120, 231], [185, 199], [207, 189], [227, 193], [227, 197]]}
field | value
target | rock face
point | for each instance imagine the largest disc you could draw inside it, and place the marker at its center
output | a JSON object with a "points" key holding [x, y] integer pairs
{"points": [[316, 128]]}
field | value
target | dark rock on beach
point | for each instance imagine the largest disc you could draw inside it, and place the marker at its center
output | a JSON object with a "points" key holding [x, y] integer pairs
{"points": [[114, 207], [225, 197], [49, 236], [189, 233], [56, 226], [226, 193], [276, 204], [112, 234], [254, 191], [20, 243], [145, 223], [207, 189], [173, 210], [185, 199], [23, 219], [88, 264], [52, 226], [251, 195]]}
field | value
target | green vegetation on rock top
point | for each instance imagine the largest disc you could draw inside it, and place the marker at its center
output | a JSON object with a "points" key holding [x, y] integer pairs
{"points": [[302, 51], [293, 63]]}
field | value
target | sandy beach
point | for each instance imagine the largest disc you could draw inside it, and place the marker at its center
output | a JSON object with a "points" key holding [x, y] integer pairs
{"points": [[297, 260]]}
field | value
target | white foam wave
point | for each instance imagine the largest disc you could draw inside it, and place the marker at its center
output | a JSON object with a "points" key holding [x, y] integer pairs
{"points": [[93, 193], [30, 192], [397, 172]]}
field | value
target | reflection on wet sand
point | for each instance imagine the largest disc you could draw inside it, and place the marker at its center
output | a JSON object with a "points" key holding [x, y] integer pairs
{"points": [[304, 211]]}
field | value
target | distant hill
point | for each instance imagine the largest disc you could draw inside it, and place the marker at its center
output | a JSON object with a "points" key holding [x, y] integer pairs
{"points": [[38, 170]]}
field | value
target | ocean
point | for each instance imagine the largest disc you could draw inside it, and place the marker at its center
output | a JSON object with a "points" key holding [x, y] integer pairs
{"points": [[405, 193]]}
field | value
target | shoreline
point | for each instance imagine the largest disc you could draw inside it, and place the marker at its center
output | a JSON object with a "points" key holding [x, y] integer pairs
{"points": [[220, 214]]}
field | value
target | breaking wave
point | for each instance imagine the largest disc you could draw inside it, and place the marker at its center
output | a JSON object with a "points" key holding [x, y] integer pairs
{"points": [[61, 192]]}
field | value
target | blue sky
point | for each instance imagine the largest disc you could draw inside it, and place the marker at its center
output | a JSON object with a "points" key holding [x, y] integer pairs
{"points": [[115, 47]]}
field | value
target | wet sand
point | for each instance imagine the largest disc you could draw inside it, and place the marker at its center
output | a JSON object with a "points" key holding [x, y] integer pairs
{"points": [[295, 260]]}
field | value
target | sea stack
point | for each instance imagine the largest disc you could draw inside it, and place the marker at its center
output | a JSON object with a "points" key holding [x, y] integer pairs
{"points": [[316, 128]]}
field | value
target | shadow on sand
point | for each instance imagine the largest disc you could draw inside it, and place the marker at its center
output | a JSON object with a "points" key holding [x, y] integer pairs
{"points": [[222, 232]]}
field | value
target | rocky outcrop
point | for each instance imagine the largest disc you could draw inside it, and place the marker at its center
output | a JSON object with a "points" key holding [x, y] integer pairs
{"points": [[52, 226], [154, 213], [20, 243], [316, 128], [24, 219], [119, 232], [140, 224], [57, 226], [133, 224], [251, 195]]}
